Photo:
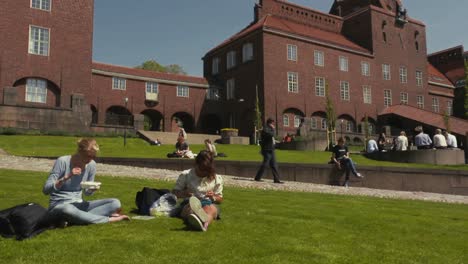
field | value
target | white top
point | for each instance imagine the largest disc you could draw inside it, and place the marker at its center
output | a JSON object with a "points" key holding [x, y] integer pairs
{"points": [[372, 146], [452, 141], [402, 143], [439, 141], [188, 180]]}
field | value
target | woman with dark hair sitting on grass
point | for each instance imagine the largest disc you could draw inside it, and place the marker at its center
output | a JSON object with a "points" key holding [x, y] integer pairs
{"points": [[202, 189], [64, 186]]}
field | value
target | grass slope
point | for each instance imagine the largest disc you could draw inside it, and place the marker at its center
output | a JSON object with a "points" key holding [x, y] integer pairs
{"points": [[257, 226]]}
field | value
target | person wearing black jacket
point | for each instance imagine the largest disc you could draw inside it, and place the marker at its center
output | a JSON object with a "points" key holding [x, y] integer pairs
{"points": [[268, 152]]}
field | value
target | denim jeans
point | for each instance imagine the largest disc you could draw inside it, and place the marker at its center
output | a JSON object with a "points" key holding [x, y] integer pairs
{"points": [[92, 212], [268, 159], [349, 166]]}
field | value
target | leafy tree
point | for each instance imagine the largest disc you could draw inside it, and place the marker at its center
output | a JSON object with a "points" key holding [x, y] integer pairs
{"points": [[331, 117], [366, 131], [153, 65], [258, 116]]}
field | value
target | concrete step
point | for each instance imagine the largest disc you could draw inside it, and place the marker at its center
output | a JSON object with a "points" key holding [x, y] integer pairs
{"points": [[171, 137]]}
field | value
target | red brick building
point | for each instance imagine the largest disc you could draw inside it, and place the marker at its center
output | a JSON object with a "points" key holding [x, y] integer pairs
{"points": [[370, 53]]}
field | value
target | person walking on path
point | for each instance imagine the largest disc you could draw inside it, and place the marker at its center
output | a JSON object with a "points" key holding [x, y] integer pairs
{"points": [[268, 152]]}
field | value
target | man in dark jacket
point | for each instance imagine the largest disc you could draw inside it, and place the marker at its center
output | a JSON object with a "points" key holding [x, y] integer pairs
{"points": [[268, 152]]}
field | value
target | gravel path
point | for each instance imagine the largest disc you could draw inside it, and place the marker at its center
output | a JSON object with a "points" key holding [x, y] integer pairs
{"points": [[44, 165]]}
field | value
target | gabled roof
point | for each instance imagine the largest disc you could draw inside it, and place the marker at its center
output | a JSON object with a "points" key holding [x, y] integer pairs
{"points": [[457, 125], [436, 77], [279, 24], [139, 74]]}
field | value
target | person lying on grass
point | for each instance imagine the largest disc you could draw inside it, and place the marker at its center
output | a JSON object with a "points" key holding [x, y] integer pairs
{"points": [[202, 189], [66, 204]]}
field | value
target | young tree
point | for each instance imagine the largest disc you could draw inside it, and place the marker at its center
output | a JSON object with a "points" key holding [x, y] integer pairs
{"points": [[366, 131], [466, 88], [331, 117], [258, 116], [153, 65], [446, 118]]}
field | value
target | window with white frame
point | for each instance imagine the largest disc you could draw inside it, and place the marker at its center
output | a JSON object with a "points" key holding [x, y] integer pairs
{"points": [[344, 91], [39, 40], [349, 126], [285, 120], [215, 66], [420, 101], [182, 91], [449, 107], [343, 63], [230, 89], [319, 58], [292, 52], [324, 124], [297, 121], [365, 68], [404, 98], [293, 86], [41, 4], [151, 87], [247, 52], [212, 93], [367, 94], [231, 59], [403, 74], [320, 86], [387, 98], [435, 104], [386, 71], [119, 83], [36, 91], [419, 78], [313, 123]]}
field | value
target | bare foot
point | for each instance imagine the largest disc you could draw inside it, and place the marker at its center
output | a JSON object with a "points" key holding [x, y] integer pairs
{"points": [[118, 218]]}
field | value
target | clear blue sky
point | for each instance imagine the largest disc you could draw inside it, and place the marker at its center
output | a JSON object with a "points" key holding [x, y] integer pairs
{"points": [[181, 31]]}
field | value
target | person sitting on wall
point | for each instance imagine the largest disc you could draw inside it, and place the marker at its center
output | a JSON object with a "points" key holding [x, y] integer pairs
{"points": [[451, 140], [422, 140], [287, 138], [372, 146], [439, 140], [382, 141], [182, 150], [340, 156], [401, 143]]}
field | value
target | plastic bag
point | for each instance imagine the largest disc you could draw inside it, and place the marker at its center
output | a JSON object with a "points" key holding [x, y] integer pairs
{"points": [[165, 206]]}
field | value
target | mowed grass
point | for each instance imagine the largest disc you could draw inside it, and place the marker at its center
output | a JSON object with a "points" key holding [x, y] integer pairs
{"points": [[137, 148], [257, 226]]}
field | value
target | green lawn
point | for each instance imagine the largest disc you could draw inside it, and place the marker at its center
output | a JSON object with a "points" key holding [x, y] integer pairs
{"points": [[257, 226], [113, 147]]}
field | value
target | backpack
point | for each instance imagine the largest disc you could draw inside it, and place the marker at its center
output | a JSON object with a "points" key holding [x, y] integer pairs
{"points": [[146, 197], [23, 221]]}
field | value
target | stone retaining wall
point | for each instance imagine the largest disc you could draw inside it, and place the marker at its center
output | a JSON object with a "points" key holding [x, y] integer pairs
{"points": [[427, 156]]}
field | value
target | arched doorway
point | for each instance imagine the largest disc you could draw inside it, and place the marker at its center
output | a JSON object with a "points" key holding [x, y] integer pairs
{"points": [[292, 120], [210, 124], [182, 119], [119, 116], [94, 114], [153, 120]]}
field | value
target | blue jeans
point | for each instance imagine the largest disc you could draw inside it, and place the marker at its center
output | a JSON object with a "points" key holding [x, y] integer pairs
{"points": [[268, 159], [88, 212], [349, 166]]}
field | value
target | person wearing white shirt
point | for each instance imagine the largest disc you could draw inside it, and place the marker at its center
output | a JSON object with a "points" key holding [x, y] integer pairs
{"points": [[451, 140], [372, 146], [402, 142], [439, 140]]}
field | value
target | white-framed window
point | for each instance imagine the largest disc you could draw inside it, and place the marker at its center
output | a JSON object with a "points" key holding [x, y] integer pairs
{"points": [[212, 93], [36, 91], [230, 89], [297, 121], [319, 58], [404, 98], [449, 107], [403, 74], [420, 101], [231, 59], [313, 123], [182, 91], [151, 87], [387, 98], [324, 124], [344, 91], [343, 63], [386, 72], [435, 104], [293, 84], [39, 40], [292, 52], [215, 66], [349, 126], [247, 52], [320, 86], [419, 78], [41, 4], [365, 68], [367, 94], [119, 83], [285, 120]]}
